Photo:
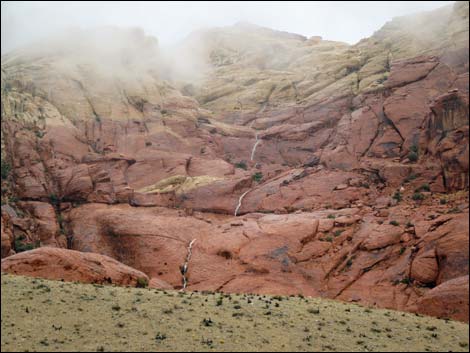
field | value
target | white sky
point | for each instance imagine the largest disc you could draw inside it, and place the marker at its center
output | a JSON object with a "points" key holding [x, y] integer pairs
{"points": [[26, 21]]}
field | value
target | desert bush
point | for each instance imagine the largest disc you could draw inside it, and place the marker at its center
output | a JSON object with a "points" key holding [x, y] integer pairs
{"points": [[142, 282], [413, 156], [338, 232], [54, 199], [6, 168], [424, 187], [417, 196], [241, 165], [397, 196], [258, 176]]}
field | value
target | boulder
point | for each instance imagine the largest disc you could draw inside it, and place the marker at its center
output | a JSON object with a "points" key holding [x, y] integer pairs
{"points": [[425, 268], [448, 300], [70, 265], [382, 236]]}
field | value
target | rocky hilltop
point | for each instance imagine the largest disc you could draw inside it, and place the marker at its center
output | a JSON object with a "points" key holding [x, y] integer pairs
{"points": [[252, 161]]}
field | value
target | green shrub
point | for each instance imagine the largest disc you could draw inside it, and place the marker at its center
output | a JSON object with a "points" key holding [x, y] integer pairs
{"points": [[142, 282], [424, 187], [417, 196], [241, 165], [443, 201], [331, 216], [6, 168], [21, 246], [338, 232], [397, 196], [258, 176], [54, 199], [411, 177], [413, 156], [414, 149], [406, 281], [394, 223]]}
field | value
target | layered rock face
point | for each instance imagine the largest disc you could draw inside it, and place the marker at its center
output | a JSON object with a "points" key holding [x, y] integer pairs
{"points": [[292, 165]]}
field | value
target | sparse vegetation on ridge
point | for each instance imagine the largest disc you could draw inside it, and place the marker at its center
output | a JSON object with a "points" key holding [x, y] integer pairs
{"points": [[131, 319]]}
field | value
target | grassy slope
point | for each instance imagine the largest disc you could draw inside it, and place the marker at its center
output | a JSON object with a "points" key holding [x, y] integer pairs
{"points": [[46, 315]]}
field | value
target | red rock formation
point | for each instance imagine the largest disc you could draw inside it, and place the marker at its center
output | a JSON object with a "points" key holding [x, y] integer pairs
{"points": [[357, 190], [425, 267], [449, 300], [69, 265], [7, 235], [448, 134], [46, 227]]}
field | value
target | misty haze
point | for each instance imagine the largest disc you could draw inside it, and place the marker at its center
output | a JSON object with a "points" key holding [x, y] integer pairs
{"points": [[235, 176]]}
